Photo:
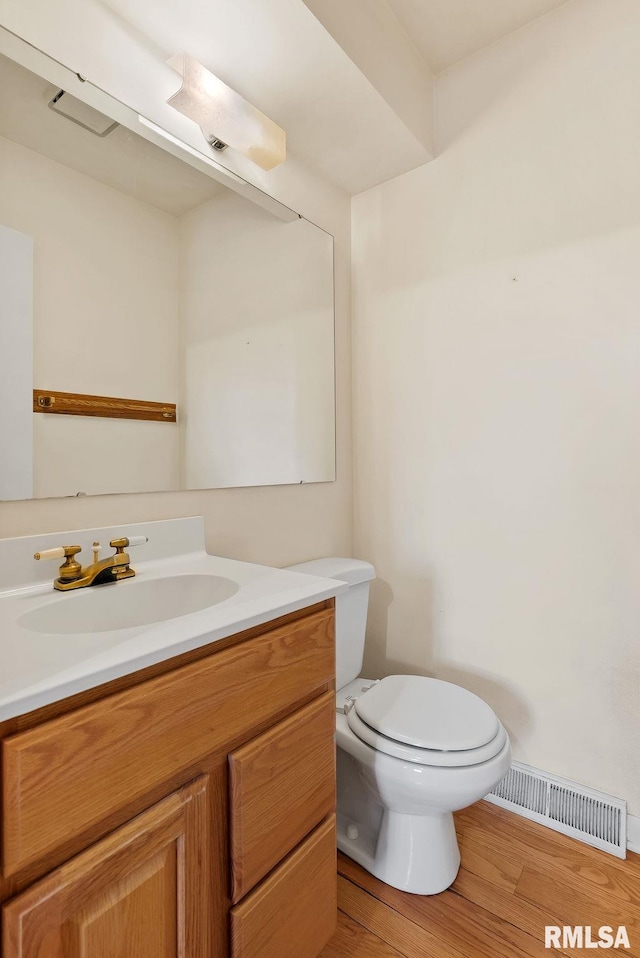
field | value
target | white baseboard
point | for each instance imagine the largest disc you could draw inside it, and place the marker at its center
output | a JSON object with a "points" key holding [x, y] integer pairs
{"points": [[633, 833]]}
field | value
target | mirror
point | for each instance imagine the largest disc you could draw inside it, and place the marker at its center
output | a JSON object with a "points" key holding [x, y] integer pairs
{"points": [[132, 278]]}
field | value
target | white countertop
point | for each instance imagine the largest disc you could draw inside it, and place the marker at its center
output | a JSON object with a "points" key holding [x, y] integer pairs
{"points": [[37, 668]]}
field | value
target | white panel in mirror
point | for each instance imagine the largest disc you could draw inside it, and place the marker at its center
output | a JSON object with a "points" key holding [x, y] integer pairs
{"points": [[16, 381]]}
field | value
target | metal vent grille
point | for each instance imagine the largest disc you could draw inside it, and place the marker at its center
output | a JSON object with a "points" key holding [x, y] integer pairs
{"points": [[582, 813]]}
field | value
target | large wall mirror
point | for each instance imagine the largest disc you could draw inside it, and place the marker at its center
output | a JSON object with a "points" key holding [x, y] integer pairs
{"points": [[128, 275]]}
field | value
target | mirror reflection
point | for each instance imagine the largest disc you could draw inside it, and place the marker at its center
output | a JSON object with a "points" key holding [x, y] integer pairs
{"points": [[127, 274]]}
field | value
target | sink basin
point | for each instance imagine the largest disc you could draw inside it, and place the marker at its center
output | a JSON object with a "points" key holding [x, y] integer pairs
{"points": [[125, 605]]}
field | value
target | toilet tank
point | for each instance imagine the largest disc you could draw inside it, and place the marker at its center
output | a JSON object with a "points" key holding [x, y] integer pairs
{"points": [[351, 610]]}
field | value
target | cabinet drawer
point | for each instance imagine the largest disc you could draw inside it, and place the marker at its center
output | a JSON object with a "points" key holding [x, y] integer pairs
{"points": [[76, 777], [282, 786], [293, 913]]}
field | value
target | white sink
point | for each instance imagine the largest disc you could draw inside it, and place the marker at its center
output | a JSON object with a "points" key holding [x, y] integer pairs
{"points": [[126, 605], [55, 644]]}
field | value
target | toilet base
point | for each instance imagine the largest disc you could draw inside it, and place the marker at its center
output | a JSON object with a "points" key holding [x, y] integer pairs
{"points": [[415, 853]]}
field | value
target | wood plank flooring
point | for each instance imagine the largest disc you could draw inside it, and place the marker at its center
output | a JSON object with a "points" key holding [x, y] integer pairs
{"points": [[515, 878]]}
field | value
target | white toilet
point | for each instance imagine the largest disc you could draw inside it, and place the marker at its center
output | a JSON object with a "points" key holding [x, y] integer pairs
{"points": [[410, 751]]}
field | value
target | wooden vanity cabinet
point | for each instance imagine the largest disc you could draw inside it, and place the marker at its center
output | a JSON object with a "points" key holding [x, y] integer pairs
{"points": [[184, 811]]}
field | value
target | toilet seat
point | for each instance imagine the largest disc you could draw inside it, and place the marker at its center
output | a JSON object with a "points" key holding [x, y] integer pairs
{"points": [[427, 721]]}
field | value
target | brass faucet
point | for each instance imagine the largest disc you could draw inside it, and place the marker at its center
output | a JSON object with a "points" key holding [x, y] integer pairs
{"points": [[71, 574]]}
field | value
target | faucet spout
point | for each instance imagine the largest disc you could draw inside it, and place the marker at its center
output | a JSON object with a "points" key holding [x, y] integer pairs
{"points": [[113, 569]]}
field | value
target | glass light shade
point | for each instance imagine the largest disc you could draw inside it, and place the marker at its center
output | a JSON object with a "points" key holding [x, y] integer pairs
{"points": [[225, 115]]}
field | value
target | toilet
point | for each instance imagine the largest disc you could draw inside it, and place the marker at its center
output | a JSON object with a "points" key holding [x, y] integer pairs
{"points": [[410, 751]]}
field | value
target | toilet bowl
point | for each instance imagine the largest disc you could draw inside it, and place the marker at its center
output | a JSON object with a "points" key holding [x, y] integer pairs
{"points": [[410, 751], [395, 799]]}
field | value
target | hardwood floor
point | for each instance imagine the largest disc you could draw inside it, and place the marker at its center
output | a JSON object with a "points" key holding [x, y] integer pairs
{"points": [[515, 878]]}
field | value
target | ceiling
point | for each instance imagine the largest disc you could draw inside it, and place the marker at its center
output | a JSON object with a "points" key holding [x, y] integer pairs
{"points": [[446, 31], [278, 56], [351, 81]]}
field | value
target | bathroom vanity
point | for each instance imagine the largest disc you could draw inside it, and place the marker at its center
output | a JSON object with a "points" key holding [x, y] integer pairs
{"points": [[185, 808]]}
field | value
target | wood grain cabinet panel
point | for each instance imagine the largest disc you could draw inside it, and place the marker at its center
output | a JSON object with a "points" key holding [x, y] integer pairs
{"points": [[282, 785], [293, 913], [73, 778], [143, 892]]}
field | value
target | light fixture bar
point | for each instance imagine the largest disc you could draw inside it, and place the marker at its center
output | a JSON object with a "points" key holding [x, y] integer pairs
{"points": [[187, 148]]}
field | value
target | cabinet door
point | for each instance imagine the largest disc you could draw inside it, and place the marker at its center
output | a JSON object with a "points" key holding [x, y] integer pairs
{"points": [[143, 892]]}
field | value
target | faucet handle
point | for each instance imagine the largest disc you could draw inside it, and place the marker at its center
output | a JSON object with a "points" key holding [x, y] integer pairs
{"points": [[124, 543], [60, 552], [119, 544], [70, 568]]}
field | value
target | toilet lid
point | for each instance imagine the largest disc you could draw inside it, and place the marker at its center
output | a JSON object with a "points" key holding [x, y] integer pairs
{"points": [[427, 713], [434, 758]]}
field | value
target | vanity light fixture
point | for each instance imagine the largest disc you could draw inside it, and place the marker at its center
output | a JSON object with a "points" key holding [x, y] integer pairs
{"points": [[225, 117]]}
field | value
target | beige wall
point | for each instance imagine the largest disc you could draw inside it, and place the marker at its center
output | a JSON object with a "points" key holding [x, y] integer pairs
{"points": [[277, 524], [105, 322], [496, 344]]}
